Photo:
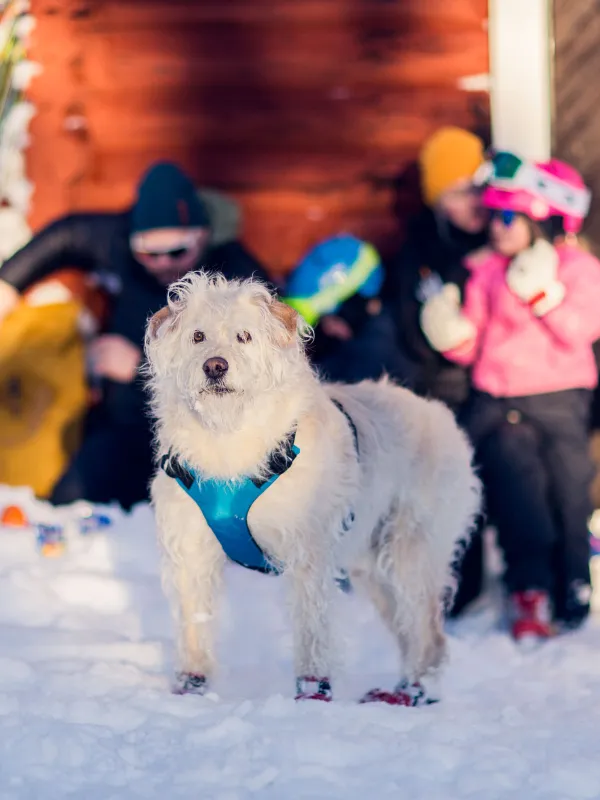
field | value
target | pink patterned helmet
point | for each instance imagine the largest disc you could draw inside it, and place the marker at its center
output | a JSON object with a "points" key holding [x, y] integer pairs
{"points": [[539, 190]]}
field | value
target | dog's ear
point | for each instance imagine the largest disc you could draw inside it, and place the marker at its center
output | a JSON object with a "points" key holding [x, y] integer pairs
{"points": [[157, 321], [287, 316]]}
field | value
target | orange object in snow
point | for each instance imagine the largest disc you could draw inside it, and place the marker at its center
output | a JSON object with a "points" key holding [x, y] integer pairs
{"points": [[52, 549], [14, 517]]}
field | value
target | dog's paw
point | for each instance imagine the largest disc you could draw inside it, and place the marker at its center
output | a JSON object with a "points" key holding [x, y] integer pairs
{"points": [[188, 683], [311, 688], [406, 694]]}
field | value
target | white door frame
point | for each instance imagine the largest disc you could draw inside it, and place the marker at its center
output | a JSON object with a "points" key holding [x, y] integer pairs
{"points": [[521, 56]]}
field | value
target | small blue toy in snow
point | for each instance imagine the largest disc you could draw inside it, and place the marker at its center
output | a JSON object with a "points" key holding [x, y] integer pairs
{"points": [[93, 522], [51, 540]]}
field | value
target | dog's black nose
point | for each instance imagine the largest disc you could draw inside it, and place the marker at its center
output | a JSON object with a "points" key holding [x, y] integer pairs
{"points": [[215, 368]]}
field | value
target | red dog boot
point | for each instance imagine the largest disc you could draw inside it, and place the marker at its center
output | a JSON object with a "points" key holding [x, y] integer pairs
{"points": [[405, 694], [531, 616], [310, 688], [188, 683]]}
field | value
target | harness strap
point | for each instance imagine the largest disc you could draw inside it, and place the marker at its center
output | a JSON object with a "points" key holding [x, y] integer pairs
{"points": [[350, 421], [280, 460], [174, 469], [225, 507], [226, 504]]}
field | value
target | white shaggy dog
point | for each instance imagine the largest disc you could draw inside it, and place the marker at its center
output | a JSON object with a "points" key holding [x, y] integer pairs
{"points": [[383, 484]]}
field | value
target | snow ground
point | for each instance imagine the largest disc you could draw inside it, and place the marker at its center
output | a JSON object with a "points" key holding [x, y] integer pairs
{"points": [[85, 708]]}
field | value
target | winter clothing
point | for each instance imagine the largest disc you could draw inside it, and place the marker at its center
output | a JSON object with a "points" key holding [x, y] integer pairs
{"points": [[444, 324], [40, 409], [344, 276], [449, 155], [532, 276], [433, 248], [534, 369], [99, 244], [167, 198], [371, 352], [533, 453], [114, 463], [41, 413], [540, 191], [534, 319], [331, 273], [514, 353], [531, 615]]}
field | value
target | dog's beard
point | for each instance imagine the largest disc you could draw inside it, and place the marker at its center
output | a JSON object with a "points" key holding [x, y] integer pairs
{"points": [[228, 403], [217, 388], [218, 406]]}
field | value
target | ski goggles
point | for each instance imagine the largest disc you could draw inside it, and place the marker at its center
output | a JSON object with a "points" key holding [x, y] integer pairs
{"points": [[508, 171], [506, 216]]}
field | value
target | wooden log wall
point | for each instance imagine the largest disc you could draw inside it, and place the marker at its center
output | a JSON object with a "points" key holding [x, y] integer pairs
{"points": [[307, 111], [577, 97]]}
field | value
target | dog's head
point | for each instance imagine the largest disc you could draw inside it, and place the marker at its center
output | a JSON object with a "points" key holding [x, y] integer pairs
{"points": [[219, 345]]}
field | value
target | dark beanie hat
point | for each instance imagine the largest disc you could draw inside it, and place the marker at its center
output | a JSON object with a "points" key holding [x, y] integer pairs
{"points": [[167, 198]]}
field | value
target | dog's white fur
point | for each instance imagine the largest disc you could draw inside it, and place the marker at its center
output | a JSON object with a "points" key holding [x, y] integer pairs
{"points": [[412, 488]]}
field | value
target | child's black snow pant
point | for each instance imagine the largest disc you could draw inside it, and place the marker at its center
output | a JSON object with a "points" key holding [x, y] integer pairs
{"points": [[535, 465]]}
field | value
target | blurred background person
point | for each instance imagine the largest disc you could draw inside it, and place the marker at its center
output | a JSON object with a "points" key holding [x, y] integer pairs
{"points": [[135, 254], [44, 393], [526, 321], [337, 289], [452, 224]]}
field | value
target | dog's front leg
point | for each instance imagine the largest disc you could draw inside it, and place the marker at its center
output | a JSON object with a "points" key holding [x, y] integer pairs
{"points": [[312, 594], [196, 580], [192, 570]]}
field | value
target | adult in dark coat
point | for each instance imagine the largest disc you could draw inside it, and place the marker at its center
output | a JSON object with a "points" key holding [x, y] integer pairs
{"points": [[135, 254], [451, 225]]}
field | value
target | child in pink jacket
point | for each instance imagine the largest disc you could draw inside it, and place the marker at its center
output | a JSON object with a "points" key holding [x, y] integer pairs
{"points": [[530, 314]]}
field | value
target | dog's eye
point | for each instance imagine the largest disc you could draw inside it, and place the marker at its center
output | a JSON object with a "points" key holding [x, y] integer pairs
{"points": [[244, 337], [198, 337]]}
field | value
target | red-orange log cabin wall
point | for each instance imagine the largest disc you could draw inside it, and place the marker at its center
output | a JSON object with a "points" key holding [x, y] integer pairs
{"points": [[307, 111]]}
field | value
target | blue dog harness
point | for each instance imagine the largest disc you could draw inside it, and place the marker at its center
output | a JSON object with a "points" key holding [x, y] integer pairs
{"points": [[226, 504]]}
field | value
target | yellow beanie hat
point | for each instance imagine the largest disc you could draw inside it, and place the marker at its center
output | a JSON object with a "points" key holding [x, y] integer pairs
{"points": [[449, 155]]}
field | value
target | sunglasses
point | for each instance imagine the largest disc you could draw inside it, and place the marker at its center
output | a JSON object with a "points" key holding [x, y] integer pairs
{"points": [[506, 216], [174, 254]]}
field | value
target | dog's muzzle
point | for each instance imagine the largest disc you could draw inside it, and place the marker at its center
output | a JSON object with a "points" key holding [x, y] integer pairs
{"points": [[215, 370]]}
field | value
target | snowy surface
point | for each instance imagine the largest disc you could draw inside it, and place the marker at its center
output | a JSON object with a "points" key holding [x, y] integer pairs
{"points": [[85, 708]]}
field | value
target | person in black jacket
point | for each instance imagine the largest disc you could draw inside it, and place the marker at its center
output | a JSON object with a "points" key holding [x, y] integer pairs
{"points": [[451, 225], [135, 255]]}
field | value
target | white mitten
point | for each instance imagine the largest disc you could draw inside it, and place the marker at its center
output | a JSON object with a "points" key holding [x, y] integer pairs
{"points": [[443, 323], [532, 276]]}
